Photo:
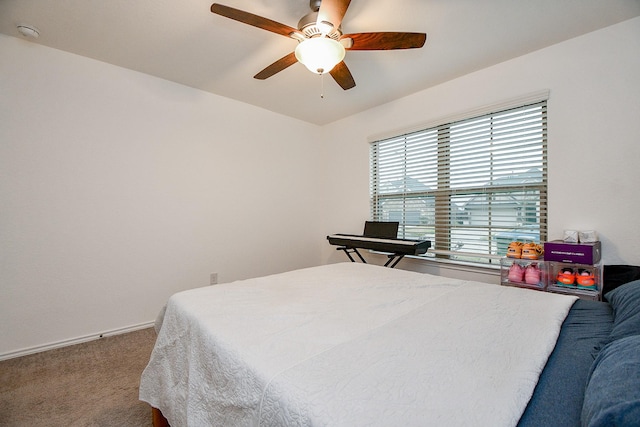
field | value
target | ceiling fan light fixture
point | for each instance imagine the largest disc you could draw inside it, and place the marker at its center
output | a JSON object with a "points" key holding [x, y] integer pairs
{"points": [[320, 54]]}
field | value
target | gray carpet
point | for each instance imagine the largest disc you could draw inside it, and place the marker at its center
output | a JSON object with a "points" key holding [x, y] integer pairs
{"points": [[90, 384]]}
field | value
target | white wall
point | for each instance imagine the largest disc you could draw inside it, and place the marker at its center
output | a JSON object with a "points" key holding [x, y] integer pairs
{"points": [[594, 136], [118, 189]]}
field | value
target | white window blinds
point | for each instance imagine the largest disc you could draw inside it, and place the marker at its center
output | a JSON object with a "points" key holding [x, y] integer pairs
{"points": [[471, 186]]}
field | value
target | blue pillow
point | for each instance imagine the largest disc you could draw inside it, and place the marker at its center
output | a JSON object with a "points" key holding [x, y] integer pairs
{"points": [[612, 397], [625, 301]]}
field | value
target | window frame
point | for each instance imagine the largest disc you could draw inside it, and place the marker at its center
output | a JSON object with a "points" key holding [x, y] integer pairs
{"points": [[442, 194]]}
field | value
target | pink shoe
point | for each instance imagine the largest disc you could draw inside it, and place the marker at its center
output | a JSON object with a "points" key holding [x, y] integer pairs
{"points": [[516, 273], [532, 274]]}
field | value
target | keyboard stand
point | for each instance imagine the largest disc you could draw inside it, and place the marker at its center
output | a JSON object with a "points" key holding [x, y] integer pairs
{"points": [[394, 248], [393, 260], [392, 257], [349, 251]]}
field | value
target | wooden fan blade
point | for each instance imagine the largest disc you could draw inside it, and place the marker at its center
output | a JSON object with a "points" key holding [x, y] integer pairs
{"points": [[385, 40], [342, 76], [276, 67], [333, 11], [255, 20]]}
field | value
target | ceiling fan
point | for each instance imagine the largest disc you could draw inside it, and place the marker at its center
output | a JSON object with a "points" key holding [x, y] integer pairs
{"points": [[322, 44]]}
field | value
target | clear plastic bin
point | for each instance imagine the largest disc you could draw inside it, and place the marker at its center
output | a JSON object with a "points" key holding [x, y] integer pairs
{"points": [[583, 280], [524, 273]]}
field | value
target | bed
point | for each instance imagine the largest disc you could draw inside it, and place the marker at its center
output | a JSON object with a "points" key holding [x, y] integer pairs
{"points": [[353, 344]]}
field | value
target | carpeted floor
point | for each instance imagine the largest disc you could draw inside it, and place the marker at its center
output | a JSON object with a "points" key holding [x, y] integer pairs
{"points": [[90, 384]]}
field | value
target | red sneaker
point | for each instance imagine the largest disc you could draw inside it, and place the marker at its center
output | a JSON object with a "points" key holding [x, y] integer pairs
{"points": [[585, 279], [566, 277]]}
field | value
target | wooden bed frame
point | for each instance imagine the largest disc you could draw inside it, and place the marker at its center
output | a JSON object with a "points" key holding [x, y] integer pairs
{"points": [[157, 419]]}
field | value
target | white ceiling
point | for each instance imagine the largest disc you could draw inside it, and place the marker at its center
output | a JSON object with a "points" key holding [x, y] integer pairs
{"points": [[184, 42]]}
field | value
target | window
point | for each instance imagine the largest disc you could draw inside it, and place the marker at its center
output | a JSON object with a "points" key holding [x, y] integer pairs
{"points": [[470, 186]]}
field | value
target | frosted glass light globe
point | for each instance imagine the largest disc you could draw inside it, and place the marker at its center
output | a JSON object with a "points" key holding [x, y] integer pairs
{"points": [[319, 54]]}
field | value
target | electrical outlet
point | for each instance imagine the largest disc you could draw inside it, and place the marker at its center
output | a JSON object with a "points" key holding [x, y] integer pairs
{"points": [[213, 278]]}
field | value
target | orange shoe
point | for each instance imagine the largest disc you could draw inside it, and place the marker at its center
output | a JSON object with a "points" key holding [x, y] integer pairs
{"points": [[532, 251], [514, 250], [566, 277], [585, 279]]}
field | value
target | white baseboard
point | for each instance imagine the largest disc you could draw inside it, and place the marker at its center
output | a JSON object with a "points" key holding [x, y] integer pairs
{"points": [[73, 341]]}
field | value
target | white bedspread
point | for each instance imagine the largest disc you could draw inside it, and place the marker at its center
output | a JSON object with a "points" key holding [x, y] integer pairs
{"points": [[351, 345]]}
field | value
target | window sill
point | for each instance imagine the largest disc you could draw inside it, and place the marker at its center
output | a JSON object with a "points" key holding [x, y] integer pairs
{"points": [[486, 273], [461, 265]]}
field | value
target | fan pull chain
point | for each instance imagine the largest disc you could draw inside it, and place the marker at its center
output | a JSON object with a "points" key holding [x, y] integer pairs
{"points": [[321, 86]]}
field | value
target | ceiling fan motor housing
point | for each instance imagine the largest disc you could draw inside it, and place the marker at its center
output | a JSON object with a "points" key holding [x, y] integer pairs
{"points": [[311, 28]]}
